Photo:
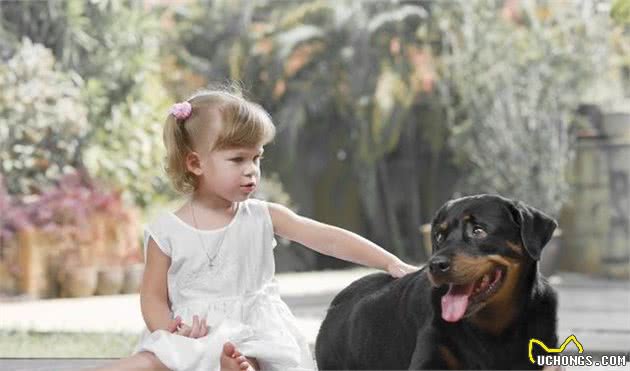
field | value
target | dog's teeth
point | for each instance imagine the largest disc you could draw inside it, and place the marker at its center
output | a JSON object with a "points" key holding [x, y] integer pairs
{"points": [[485, 281]]}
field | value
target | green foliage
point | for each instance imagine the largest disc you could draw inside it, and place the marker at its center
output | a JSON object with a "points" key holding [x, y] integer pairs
{"points": [[337, 77], [42, 119], [302, 58], [511, 85], [620, 11], [113, 47], [127, 151], [344, 81]]}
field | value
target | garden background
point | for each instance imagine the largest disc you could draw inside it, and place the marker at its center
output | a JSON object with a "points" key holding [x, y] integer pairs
{"points": [[384, 111]]}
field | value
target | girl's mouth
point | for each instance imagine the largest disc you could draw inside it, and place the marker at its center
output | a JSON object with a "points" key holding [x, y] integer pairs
{"points": [[249, 187]]}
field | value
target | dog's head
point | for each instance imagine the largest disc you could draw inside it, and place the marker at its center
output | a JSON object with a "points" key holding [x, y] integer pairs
{"points": [[481, 247]]}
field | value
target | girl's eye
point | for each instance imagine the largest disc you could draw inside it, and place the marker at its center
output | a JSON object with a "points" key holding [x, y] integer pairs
{"points": [[237, 159]]}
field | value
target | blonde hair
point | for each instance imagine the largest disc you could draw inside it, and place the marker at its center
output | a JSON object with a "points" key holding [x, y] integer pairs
{"points": [[219, 120]]}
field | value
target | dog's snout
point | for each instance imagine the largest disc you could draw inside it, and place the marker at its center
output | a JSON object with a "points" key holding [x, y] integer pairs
{"points": [[440, 264]]}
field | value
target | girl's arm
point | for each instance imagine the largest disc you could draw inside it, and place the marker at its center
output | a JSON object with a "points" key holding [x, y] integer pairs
{"points": [[154, 291], [334, 241]]}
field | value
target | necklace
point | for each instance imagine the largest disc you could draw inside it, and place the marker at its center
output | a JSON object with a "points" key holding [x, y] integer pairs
{"points": [[203, 243]]}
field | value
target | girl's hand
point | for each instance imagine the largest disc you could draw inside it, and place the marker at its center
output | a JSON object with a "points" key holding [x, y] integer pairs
{"points": [[174, 324], [399, 268], [199, 328]]}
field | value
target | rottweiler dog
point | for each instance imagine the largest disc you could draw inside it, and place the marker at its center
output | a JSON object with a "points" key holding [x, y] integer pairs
{"points": [[474, 305]]}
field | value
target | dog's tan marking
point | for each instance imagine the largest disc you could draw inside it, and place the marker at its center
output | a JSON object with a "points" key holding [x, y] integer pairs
{"points": [[464, 269], [500, 309], [451, 361], [443, 226], [516, 247]]}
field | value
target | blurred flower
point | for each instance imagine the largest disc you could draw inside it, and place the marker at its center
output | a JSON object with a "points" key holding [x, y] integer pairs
{"points": [[62, 209]]}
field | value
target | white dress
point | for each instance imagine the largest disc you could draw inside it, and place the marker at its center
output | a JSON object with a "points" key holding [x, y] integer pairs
{"points": [[238, 295]]}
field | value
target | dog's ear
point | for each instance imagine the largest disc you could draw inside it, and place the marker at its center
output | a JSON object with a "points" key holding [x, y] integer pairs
{"points": [[536, 228]]}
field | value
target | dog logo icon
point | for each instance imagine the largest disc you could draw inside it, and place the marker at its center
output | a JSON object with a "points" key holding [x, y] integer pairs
{"points": [[571, 338]]}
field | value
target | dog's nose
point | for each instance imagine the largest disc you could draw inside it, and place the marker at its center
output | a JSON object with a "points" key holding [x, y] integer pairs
{"points": [[440, 264]]}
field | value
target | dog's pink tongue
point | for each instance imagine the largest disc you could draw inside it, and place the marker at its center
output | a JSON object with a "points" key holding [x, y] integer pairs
{"points": [[455, 302]]}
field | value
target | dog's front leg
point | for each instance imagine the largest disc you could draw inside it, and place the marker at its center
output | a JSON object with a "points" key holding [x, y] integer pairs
{"points": [[430, 355]]}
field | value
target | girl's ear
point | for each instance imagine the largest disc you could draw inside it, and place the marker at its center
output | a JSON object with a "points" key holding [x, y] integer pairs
{"points": [[193, 163]]}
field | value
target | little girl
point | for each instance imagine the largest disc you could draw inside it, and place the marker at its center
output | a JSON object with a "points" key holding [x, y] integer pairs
{"points": [[209, 297]]}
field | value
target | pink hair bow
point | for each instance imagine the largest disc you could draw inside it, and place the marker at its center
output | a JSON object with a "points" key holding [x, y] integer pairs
{"points": [[181, 110]]}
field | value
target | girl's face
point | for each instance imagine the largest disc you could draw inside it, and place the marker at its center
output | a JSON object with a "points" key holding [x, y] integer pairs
{"points": [[232, 174]]}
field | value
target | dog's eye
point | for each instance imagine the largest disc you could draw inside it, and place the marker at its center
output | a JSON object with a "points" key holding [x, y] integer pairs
{"points": [[478, 232], [439, 237]]}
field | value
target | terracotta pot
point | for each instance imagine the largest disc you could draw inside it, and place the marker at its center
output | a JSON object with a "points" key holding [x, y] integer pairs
{"points": [[110, 280], [133, 278], [38, 257], [8, 281], [9, 268], [78, 281]]}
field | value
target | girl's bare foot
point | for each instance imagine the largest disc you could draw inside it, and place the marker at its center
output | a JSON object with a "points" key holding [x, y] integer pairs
{"points": [[233, 360]]}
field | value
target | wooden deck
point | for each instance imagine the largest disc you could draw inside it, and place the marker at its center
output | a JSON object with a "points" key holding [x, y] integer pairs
{"points": [[596, 311]]}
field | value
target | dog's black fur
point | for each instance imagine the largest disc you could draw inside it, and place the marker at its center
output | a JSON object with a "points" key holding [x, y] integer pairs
{"points": [[379, 322]]}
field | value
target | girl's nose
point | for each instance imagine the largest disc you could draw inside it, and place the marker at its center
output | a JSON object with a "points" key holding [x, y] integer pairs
{"points": [[251, 170]]}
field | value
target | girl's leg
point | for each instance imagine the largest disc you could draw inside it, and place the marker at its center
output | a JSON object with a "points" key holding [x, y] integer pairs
{"points": [[138, 361]]}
